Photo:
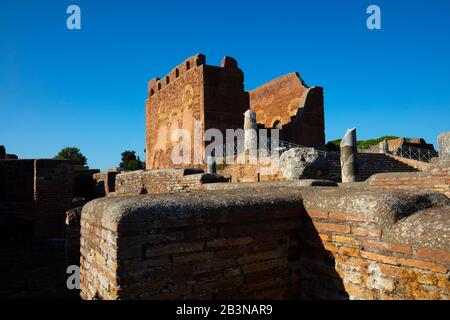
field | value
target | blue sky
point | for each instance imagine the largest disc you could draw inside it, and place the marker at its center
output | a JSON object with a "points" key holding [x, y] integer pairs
{"points": [[86, 88]]}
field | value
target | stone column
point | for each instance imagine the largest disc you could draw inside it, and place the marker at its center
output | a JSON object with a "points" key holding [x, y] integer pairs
{"points": [[211, 165], [349, 157], [444, 147], [250, 134], [384, 147]]}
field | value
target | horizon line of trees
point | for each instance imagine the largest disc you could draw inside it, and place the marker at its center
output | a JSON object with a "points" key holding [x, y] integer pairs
{"points": [[129, 160]]}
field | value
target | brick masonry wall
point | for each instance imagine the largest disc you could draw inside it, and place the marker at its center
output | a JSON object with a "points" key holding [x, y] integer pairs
{"points": [[225, 99], [299, 109], [437, 179], [245, 252], [44, 204], [214, 245], [374, 257], [163, 180], [174, 102], [53, 194], [248, 173]]}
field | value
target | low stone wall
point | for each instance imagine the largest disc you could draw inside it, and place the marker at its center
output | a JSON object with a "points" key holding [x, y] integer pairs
{"points": [[268, 242], [163, 180], [437, 179], [249, 173], [105, 182]]}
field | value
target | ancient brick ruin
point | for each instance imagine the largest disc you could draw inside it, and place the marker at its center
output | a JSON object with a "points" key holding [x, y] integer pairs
{"points": [[36, 193], [178, 232], [304, 239], [267, 242], [215, 97]]}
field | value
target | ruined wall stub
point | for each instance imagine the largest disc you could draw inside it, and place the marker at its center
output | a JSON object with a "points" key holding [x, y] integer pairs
{"points": [[288, 103]]}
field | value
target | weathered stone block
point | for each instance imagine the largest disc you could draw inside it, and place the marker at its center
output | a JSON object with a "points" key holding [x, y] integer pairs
{"points": [[303, 163]]}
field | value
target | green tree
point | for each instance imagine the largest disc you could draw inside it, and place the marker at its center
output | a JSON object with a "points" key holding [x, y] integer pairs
{"points": [[73, 154], [130, 161]]}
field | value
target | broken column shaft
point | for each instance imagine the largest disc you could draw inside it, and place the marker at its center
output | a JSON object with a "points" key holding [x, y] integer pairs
{"points": [[349, 157], [250, 134]]}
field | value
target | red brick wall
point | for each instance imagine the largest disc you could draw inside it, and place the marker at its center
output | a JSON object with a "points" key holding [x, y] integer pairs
{"points": [[278, 99], [299, 109], [214, 96], [173, 105], [226, 255], [437, 179], [225, 98], [44, 203], [53, 194], [369, 267]]}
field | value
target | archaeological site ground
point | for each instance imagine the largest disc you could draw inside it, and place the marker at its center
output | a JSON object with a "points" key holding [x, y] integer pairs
{"points": [[240, 196]]}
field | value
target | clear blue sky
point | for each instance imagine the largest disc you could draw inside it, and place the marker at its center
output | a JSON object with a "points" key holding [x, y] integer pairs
{"points": [[87, 88]]}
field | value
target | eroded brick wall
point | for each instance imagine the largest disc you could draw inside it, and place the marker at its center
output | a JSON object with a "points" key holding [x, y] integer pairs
{"points": [[53, 194], [264, 243], [288, 102], [225, 97], [437, 179], [250, 173], [184, 253], [369, 264], [174, 102], [163, 180]]}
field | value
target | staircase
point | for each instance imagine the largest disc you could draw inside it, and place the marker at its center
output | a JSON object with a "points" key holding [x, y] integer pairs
{"points": [[369, 164]]}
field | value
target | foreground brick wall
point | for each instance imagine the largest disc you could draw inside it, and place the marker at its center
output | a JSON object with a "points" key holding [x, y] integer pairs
{"points": [[373, 254], [190, 249], [267, 242], [437, 179]]}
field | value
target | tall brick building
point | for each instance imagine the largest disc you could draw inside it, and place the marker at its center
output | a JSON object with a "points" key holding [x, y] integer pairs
{"points": [[216, 98]]}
